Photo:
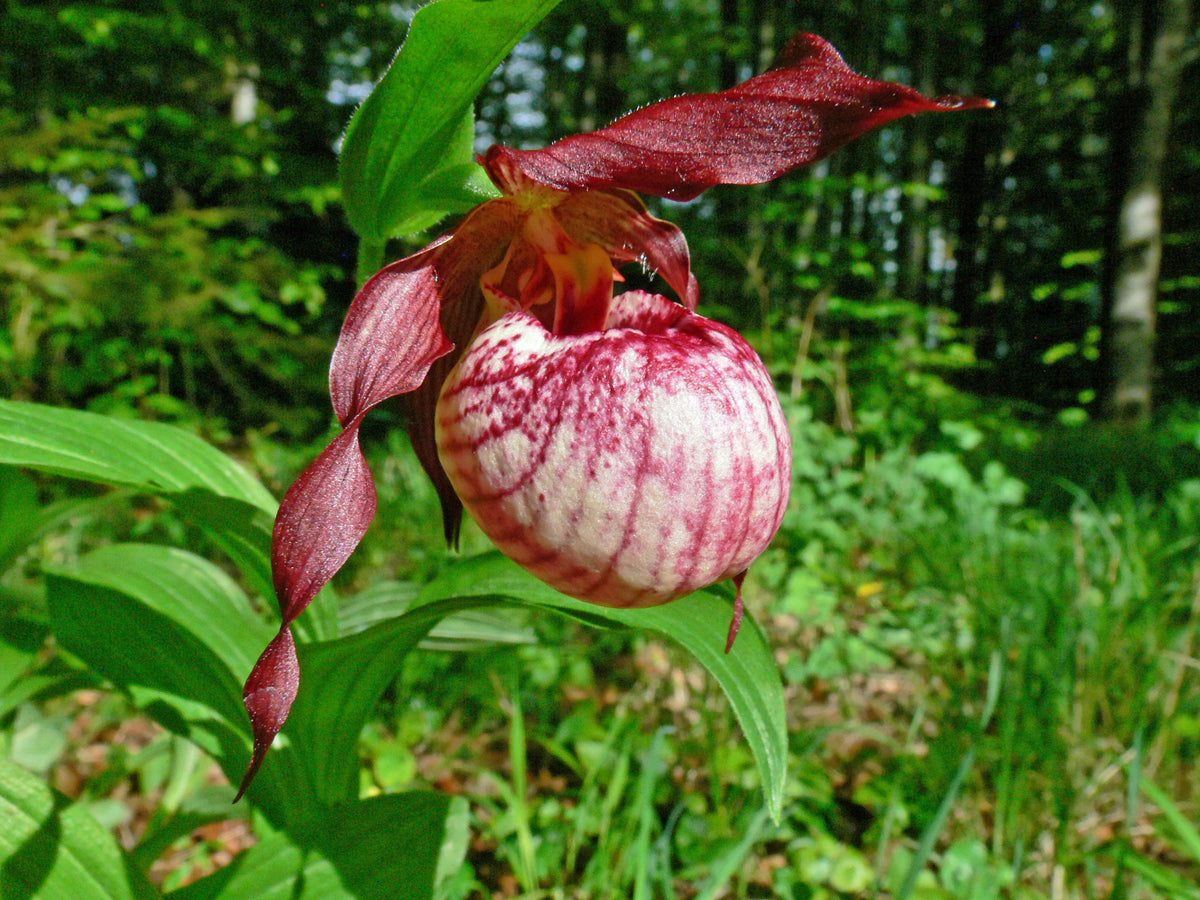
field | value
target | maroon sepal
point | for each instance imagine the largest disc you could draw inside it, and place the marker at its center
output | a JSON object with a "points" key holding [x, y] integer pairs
{"points": [[479, 242], [807, 106], [739, 611], [322, 519], [269, 694], [391, 337]]}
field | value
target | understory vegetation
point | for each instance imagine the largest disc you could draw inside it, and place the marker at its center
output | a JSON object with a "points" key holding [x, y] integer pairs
{"points": [[982, 605], [990, 676]]}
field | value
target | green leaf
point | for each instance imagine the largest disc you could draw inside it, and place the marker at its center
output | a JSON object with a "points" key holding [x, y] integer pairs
{"points": [[377, 603], [145, 455], [454, 184], [1090, 257], [474, 629], [457, 840], [172, 630], [200, 807], [19, 523], [207, 488], [37, 740], [176, 633], [933, 831], [699, 623], [340, 683], [241, 531], [1188, 835], [383, 848], [179, 636], [408, 144], [20, 642], [342, 680], [23, 519], [51, 849], [470, 629], [54, 678], [176, 595], [1166, 880]]}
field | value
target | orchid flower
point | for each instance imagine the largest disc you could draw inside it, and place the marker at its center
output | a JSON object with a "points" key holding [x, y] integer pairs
{"points": [[622, 448]]}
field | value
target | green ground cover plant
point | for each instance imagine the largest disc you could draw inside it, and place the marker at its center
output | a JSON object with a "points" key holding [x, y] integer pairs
{"points": [[973, 673]]}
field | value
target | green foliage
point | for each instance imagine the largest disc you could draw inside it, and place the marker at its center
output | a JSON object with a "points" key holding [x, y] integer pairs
{"points": [[1056, 638], [418, 119], [698, 623], [983, 624], [1105, 460], [128, 307], [132, 612], [165, 191], [383, 847], [53, 849]]}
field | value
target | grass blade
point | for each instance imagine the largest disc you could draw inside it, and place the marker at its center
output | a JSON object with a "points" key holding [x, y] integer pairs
{"points": [[934, 829], [1189, 837]]}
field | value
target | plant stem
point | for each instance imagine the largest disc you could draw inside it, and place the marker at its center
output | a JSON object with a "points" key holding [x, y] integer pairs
{"points": [[370, 259]]}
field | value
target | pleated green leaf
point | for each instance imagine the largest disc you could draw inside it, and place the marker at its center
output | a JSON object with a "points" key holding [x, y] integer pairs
{"points": [[51, 849], [383, 848], [179, 636], [175, 631], [699, 623], [206, 488], [145, 455], [408, 149], [342, 680]]}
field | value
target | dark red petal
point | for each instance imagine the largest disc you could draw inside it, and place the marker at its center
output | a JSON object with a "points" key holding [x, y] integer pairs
{"points": [[739, 611], [583, 282], [479, 243], [320, 521], [619, 222], [419, 407], [269, 694], [801, 111], [391, 336]]}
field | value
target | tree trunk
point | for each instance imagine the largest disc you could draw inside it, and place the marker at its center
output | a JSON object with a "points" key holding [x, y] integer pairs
{"points": [[975, 181], [1158, 36], [730, 25], [606, 59], [243, 101], [914, 251]]}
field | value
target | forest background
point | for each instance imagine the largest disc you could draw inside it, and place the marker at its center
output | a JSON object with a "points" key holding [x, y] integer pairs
{"points": [[986, 332]]}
